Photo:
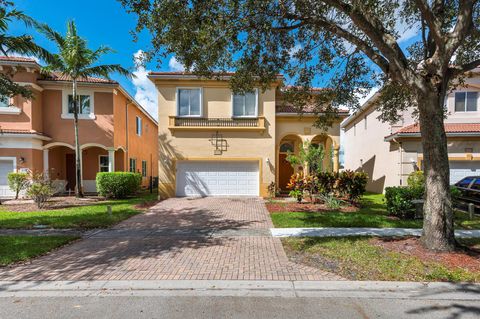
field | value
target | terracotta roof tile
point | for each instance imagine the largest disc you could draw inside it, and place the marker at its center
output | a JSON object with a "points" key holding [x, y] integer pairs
{"points": [[11, 131], [450, 128], [17, 59], [287, 108], [58, 77]]}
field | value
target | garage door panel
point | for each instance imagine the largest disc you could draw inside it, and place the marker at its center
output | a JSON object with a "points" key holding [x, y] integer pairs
{"points": [[462, 169], [203, 178]]}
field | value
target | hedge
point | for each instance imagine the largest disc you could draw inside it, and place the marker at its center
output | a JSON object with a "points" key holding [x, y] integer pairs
{"points": [[399, 200], [118, 184]]}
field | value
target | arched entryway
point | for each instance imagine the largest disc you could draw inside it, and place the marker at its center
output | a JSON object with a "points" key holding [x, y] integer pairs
{"points": [[288, 144]]}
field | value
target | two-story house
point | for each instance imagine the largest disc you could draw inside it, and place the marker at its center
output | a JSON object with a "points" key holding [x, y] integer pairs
{"points": [[214, 142], [390, 152], [115, 132]]}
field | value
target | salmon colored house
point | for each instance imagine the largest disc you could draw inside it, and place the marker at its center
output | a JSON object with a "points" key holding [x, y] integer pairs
{"points": [[116, 133]]}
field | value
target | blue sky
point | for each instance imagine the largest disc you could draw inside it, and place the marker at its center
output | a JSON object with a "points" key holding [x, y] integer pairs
{"points": [[101, 22]]}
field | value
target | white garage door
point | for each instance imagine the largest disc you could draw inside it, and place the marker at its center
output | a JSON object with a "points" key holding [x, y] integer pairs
{"points": [[461, 169], [210, 178], [6, 166]]}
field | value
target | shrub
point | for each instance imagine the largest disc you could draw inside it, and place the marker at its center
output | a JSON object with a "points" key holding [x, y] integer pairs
{"points": [[297, 186], [326, 182], [272, 190], [310, 185], [17, 182], [416, 179], [40, 189], [352, 184], [399, 200], [118, 184], [455, 193], [331, 201]]}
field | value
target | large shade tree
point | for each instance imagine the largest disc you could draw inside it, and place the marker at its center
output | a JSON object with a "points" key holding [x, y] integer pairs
{"points": [[355, 43], [11, 45], [76, 61]]}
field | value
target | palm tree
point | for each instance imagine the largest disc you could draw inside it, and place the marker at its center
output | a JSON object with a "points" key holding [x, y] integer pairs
{"points": [[76, 61], [23, 45]]}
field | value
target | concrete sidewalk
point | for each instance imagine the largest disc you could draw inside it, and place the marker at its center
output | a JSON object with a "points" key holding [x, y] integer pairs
{"points": [[330, 289], [379, 232]]}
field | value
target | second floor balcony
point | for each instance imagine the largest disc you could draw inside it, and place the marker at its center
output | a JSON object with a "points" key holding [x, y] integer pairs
{"points": [[226, 124]]}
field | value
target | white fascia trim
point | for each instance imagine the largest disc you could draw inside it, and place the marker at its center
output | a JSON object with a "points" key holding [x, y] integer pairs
{"points": [[32, 85], [360, 111], [20, 142], [26, 136], [394, 136], [11, 110]]}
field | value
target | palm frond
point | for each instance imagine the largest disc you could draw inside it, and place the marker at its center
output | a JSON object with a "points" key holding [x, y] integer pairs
{"points": [[105, 71], [50, 34]]}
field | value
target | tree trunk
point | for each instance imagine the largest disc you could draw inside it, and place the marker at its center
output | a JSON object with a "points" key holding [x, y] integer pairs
{"points": [[78, 162], [438, 233]]}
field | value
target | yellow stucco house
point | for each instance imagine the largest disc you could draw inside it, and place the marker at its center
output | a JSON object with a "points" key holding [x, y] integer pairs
{"points": [[216, 143]]}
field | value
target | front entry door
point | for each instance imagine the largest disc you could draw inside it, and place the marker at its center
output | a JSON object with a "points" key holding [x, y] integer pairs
{"points": [[285, 172], [71, 180]]}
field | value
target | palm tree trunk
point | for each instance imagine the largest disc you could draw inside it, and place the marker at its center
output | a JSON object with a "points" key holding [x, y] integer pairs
{"points": [[78, 161]]}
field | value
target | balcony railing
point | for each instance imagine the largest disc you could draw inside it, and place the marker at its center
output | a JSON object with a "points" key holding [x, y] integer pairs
{"points": [[217, 123]]}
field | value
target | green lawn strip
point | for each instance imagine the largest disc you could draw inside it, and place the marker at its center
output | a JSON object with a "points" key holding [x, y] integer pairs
{"points": [[22, 248], [83, 217], [355, 258], [372, 214]]}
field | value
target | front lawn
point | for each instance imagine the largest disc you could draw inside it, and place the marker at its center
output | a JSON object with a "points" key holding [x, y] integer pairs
{"points": [[372, 213], [81, 217], [21, 248], [361, 258]]}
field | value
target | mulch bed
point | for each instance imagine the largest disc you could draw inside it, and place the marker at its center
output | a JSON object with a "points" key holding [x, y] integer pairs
{"points": [[52, 204], [465, 257], [306, 207]]}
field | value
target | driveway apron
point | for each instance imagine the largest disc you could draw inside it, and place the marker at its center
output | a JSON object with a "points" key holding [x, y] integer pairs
{"points": [[178, 239]]}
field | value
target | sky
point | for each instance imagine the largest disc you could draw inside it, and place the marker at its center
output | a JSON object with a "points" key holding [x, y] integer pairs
{"points": [[101, 22], [106, 22]]}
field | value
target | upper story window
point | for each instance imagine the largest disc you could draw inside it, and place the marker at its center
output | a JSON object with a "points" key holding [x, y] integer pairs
{"points": [[4, 101], [189, 102], [245, 105], [83, 104], [466, 101], [144, 168], [365, 122], [139, 126]]}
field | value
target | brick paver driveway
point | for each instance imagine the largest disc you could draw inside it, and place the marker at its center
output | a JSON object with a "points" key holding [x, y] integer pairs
{"points": [[179, 238]]}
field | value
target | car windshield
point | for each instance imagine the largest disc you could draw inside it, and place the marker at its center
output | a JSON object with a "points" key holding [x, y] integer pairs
{"points": [[465, 182]]}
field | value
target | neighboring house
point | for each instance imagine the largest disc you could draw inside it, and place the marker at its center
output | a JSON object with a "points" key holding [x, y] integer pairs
{"points": [[116, 133], [389, 153], [214, 142]]}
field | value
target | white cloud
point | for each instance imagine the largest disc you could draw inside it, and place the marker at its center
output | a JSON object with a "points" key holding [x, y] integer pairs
{"points": [[174, 65], [145, 90]]}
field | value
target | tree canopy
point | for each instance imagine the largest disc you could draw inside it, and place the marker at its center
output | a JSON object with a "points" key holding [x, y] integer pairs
{"points": [[347, 46]]}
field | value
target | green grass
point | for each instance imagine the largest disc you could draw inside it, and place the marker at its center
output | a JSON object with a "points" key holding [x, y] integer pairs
{"points": [[84, 217], [356, 258], [372, 213], [22, 248]]}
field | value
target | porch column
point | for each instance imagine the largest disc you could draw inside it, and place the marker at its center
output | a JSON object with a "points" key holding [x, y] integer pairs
{"points": [[111, 160], [45, 161], [336, 158]]}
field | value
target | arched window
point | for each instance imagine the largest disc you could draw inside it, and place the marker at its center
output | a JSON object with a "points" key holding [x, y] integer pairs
{"points": [[286, 147]]}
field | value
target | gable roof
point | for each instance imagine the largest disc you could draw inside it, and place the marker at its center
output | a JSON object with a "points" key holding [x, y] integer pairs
{"points": [[58, 77], [451, 129]]}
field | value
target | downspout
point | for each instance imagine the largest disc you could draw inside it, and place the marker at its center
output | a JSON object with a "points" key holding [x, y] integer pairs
{"points": [[127, 162], [400, 150]]}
